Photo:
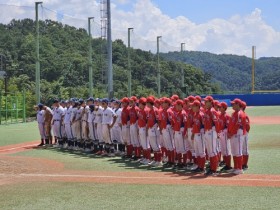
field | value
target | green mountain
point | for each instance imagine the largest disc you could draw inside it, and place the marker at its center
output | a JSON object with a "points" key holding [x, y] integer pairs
{"points": [[64, 65], [233, 72]]}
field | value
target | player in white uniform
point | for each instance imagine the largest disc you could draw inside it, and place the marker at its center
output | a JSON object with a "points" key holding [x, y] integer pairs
{"points": [[72, 142], [63, 132], [58, 114], [98, 126], [78, 126], [84, 125], [67, 124], [41, 122], [116, 132], [88, 117], [108, 120]]}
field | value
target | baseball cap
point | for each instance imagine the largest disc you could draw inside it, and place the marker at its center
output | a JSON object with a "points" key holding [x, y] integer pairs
{"points": [[62, 102], [167, 100], [105, 100], [133, 98], [90, 99], [174, 97], [150, 100], [216, 103], [40, 105], [81, 100], [244, 104], [195, 103], [179, 102], [208, 98], [157, 101], [236, 101], [186, 100], [191, 98], [224, 105], [55, 101], [125, 100], [142, 100], [91, 106], [197, 98]]}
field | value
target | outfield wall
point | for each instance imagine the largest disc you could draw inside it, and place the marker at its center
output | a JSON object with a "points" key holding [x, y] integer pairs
{"points": [[269, 99]]}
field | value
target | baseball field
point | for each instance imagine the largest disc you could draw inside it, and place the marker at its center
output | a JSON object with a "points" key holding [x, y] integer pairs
{"points": [[37, 178]]}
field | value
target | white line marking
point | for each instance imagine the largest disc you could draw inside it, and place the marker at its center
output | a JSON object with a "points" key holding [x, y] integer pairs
{"points": [[14, 148], [134, 177]]}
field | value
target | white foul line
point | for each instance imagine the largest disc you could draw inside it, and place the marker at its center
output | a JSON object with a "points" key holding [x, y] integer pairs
{"points": [[14, 148], [133, 177]]}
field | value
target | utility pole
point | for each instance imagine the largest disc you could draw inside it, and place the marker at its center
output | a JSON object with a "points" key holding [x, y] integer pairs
{"points": [[37, 75], [128, 63], [109, 44], [253, 68], [182, 71], [90, 58], [158, 67]]}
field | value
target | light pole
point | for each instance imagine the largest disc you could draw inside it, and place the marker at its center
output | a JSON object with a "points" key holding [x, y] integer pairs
{"points": [[128, 63], [37, 75], [182, 72], [109, 46], [90, 58], [158, 67]]}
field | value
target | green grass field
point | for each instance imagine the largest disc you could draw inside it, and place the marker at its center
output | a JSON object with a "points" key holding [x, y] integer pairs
{"points": [[264, 156]]}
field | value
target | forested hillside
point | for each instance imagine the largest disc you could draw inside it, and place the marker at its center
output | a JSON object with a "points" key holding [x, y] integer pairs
{"points": [[233, 72], [64, 64]]}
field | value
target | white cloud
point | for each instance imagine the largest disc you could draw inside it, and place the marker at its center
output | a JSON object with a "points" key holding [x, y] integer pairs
{"points": [[235, 35]]}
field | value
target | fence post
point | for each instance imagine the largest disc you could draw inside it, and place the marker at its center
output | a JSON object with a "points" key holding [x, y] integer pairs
{"points": [[24, 107], [6, 108]]}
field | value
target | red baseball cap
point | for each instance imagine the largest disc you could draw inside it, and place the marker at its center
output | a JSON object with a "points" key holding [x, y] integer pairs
{"points": [[142, 100], [157, 101], [174, 97], [208, 98], [236, 101], [179, 102], [167, 100], [243, 104], [195, 103], [197, 98], [191, 98], [224, 105], [150, 99], [133, 98], [216, 103], [125, 100]]}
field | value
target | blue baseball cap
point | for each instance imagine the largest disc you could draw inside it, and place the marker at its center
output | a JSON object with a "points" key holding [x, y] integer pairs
{"points": [[90, 99], [105, 100]]}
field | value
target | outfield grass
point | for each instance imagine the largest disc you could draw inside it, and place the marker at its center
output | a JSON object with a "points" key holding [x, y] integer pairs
{"points": [[263, 111], [59, 195], [18, 133]]}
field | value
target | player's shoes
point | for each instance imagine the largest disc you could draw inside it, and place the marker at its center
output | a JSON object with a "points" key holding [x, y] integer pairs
{"points": [[165, 159], [210, 173], [158, 164], [65, 146], [152, 163], [111, 155], [40, 145], [237, 171], [146, 162], [198, 170], [245, 167], [222, 163], [225, 169], [98, 153], [193, 167]]}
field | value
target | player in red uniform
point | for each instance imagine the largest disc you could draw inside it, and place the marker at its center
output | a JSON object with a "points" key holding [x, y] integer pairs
{"points": [[142, 130], [165, 118], [236, 133], [125, 127], [223, 122], [197, 137], [210, 136], [179, 119], [134, 127], [153, 132], [245, 151]]}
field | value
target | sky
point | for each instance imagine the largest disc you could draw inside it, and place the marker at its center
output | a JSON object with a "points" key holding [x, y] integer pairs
{"points": [[216, 26]]}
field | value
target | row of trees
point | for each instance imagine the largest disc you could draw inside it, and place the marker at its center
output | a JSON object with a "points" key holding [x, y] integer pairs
{"points": [[64, 65]]}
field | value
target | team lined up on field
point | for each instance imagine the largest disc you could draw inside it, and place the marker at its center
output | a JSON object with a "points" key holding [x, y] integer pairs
{"points": [[180, 133]]}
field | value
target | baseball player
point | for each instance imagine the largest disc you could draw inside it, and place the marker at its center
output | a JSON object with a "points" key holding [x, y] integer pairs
{"points": [[91, 128], [88, 119], [58, 114], [108, 120], [179, 119], [125, 127], [48, 125], [223, 122], [153, 132], [67, 123], [98, 126], [166, 123], [210, 136], [134, 128], [245, 151], [73, 141], [63, 132], [41, 122], [197, 137], [142, 131], [236, 133], [116, 131]]}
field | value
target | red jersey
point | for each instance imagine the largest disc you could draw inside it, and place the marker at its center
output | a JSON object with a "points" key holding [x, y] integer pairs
{"points": [[189, 120], [210, 118], [237, 121], [222, 122], [179, 118], [142, 117], [247, 123], [197, 122], [152, 117], [165, 117], [125, 115], [133, 114]]}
